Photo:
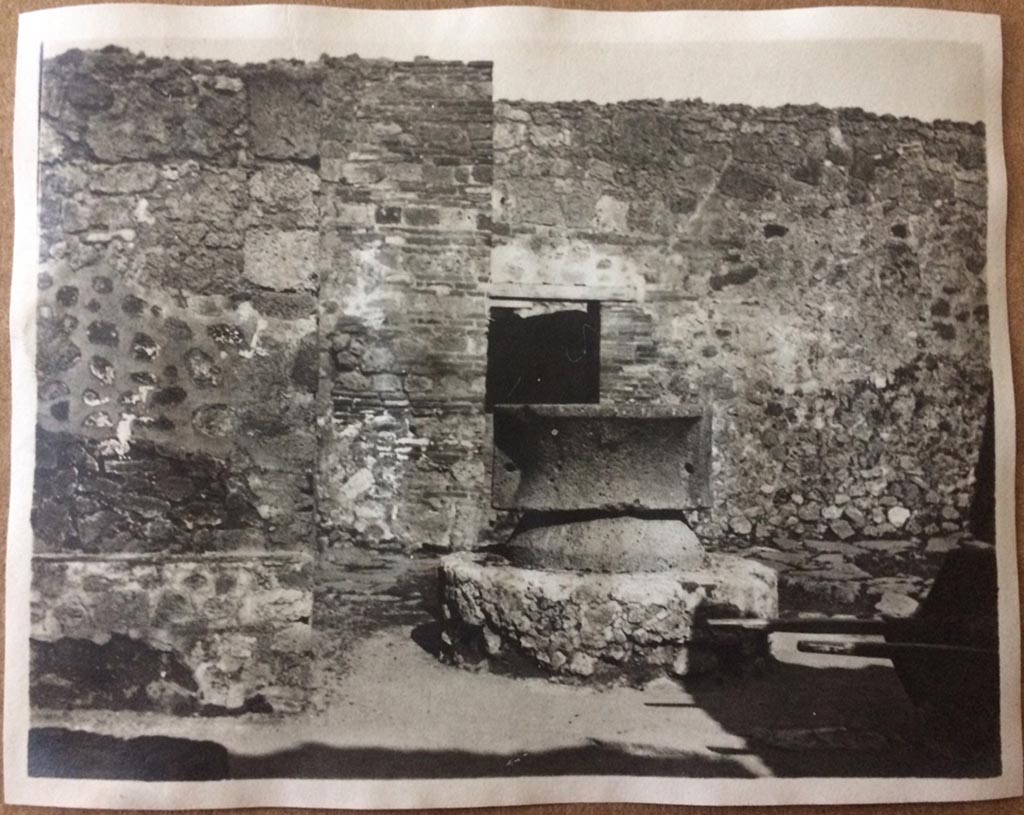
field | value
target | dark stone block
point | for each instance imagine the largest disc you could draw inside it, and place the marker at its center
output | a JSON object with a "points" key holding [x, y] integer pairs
{"points": [[144, 347], [266, 424], [88, 94], [483, 174], [422, 216], [178, 329], [284, 113], [683, 203], [863, 167], [971, 158], [285, 305], [100, 332], [54, 389], [305, 371], [55, 352], [215, 420], [388, 215], [809, 172], [131, 304], [201, 368], [749, 185], [227, 335], [159, 423], [99, 418], [168, 396], [734, 277], [67, 296]]}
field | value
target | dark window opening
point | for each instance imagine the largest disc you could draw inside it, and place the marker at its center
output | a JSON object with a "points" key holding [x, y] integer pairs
{"points": [[544, 353]]}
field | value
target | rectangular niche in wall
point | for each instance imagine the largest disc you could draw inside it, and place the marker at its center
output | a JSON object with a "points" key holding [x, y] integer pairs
{"points": [[543, 352]]}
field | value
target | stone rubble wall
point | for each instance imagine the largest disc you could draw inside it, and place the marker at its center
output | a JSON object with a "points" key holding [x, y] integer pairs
{"points": [[816, 276], [262, 331], [236, 261]]}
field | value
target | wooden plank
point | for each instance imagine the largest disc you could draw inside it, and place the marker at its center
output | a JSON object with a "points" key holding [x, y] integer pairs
{"points": [[817, 624], [889, 650]]}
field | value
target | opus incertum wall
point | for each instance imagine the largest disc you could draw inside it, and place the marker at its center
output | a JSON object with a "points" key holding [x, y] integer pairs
{"points": [[264, 299]]}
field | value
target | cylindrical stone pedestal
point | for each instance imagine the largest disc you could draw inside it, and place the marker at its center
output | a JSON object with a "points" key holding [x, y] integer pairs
{"points": [[621, 543]]}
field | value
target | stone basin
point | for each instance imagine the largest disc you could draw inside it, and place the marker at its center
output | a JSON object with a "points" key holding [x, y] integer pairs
{"points": [[609, 457]]}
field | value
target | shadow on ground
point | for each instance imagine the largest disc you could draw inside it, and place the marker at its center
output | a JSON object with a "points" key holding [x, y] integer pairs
{"points": [[804, 721], [796, 721], [60, 753]]}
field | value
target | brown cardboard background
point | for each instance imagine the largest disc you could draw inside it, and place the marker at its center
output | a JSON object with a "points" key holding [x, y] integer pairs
{"points": [[1012, 12]]}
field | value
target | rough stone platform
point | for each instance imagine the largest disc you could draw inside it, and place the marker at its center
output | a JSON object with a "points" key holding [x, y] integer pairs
{"points": [[576, 625]]}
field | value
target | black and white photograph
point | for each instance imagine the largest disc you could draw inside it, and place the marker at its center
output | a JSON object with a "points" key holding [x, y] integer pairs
{"points": [[447, 397]]}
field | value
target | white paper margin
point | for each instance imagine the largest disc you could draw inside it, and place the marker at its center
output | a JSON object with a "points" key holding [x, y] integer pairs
{"points": [[482, 29]]}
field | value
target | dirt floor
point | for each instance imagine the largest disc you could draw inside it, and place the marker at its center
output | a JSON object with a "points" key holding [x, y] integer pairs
{"points": [[387, 707]]}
